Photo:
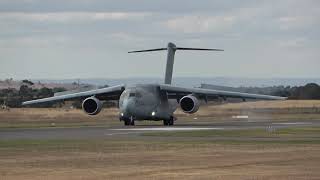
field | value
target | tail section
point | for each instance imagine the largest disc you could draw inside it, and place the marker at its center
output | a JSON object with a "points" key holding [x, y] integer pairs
{"points": [[171, 48]]}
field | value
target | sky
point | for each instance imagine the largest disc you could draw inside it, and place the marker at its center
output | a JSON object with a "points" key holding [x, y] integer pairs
{"points": [[63, 39]]}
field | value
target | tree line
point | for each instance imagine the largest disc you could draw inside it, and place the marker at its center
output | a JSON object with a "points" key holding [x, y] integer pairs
{"points": [[14, 97], [307, 92]]}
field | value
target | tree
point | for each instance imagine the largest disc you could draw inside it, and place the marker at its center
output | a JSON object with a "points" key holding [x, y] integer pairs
{"points": [[25, 91], [27, 82], [58, 89], [44, 92]]}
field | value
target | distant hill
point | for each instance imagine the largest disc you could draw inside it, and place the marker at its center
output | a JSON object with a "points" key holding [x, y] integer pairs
{"points": [[15, 84], [71, 84]]}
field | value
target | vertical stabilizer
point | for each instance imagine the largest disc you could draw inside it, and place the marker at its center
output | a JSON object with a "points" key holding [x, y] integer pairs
{"points": [[170, 61], [171, 48]]}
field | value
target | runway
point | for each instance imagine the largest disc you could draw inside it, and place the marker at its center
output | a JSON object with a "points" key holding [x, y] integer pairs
{"points": [[136, 131]]}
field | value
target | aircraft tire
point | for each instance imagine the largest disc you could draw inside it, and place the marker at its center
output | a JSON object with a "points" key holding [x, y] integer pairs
{"points": [[126, 122], [171, 121], [166, 122]]}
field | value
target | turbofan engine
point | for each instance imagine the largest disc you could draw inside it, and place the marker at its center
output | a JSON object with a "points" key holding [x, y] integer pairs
{"points": [[189, 104], [92, 105]]}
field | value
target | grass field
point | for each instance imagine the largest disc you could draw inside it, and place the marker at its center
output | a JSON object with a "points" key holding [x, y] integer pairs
{"points": [[289, 153], [256, 111], [165, 159]]}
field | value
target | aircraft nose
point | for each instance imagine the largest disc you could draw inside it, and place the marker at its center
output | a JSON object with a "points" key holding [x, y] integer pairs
{"points": [[129, 107]]}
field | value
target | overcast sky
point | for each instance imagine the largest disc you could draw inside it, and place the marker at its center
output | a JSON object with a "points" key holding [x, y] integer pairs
{"points": [[58, 39]]}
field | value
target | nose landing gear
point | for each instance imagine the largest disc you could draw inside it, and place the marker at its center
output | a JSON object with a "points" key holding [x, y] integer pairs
{"points": [[128, 121]]}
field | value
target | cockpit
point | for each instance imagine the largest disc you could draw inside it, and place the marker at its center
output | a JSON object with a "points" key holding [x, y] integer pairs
{"points": [[135, 94]]}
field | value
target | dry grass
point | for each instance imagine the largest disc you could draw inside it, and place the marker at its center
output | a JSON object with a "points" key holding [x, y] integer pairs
{"points": [[159, 160], [159, 157], [273, 104], [39, 114], [257, 111], [296, 110], [44, 117]]}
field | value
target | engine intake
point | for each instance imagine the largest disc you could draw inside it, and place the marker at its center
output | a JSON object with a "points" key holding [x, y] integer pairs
{"points": [[92, 106], [189, 104]]}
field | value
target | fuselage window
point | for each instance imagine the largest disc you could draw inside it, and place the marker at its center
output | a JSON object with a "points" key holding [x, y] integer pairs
{"points": [[132, 94]]}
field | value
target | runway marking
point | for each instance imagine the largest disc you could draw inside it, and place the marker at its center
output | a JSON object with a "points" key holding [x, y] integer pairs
{"points": [[240, 117], [126, 133], [293, 123], [167, 129]]}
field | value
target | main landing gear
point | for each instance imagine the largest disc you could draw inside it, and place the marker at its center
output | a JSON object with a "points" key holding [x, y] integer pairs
{"points": [[129, 121], [169, 122]]}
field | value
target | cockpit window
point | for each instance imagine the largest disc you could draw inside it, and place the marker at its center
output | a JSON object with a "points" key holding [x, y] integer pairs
{"points": [[136, 94]]}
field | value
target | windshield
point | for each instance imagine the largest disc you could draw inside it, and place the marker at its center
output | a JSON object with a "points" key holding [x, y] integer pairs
{"points": [[135, 94]]}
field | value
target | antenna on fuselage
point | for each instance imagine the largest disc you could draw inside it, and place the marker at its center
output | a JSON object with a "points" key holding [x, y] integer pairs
{"points": [[171, 48]]}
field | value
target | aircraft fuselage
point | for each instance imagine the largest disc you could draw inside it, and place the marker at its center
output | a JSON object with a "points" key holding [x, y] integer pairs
{"points": [[145, 102]]}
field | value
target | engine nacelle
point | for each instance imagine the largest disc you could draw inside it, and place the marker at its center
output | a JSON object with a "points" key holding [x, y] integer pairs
{"points": [[189, 104], [91, 106]]}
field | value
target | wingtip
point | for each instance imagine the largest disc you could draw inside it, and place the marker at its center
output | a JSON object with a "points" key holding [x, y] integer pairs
{"points": [[25, 103], [282, 98]]}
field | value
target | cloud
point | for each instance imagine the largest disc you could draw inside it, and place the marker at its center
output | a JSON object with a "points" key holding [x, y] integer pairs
{"points": [[200, 23], [252, 32], [296, 22], [292, 43], [64, 17]]}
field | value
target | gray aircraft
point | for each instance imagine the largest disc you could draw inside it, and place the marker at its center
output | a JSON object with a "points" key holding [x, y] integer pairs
{"points": [[151, 101]]}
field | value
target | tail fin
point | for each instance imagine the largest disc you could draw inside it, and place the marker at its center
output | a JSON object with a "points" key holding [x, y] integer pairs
{"points": [[171, 48]]}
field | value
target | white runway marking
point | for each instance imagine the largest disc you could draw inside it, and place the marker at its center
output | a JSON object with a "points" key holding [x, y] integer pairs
{"points": [[168, 129], [293, 123], [240, 117], [126, 133]]}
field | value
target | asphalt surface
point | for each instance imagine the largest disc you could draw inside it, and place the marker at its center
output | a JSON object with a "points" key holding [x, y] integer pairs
{"points": [[136, 131]]}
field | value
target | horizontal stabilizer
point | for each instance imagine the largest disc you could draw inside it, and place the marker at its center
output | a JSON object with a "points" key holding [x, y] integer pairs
{"points": [[199, 49], [148, 50], [172, 48]]}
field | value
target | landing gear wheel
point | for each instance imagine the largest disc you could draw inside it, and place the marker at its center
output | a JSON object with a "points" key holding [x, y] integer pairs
{"points": [[169, 122], [126, 122], [129, 121], [166, 122]]}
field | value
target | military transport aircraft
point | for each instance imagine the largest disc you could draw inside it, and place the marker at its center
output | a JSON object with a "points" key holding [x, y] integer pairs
{"points": [[151, 101]]}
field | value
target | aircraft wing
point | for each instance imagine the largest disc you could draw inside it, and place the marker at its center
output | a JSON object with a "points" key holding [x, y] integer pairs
{"points": [[178, 92], [109, 93]]}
